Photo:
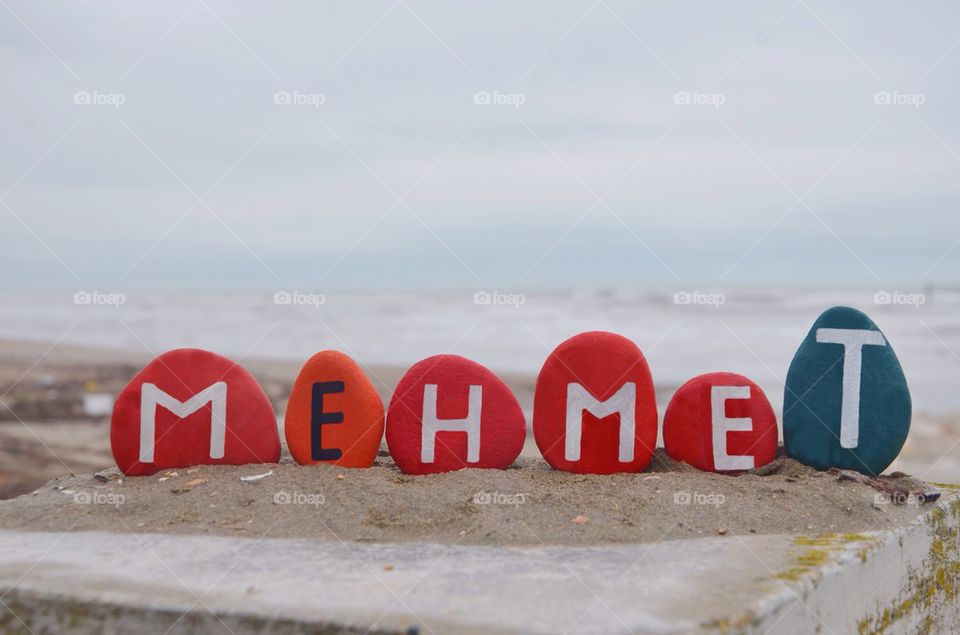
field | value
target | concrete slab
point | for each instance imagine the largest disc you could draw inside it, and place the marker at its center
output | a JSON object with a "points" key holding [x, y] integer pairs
{"points": [[905, 580]]}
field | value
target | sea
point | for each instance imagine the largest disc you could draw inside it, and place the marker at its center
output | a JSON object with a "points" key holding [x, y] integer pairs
{"points": [[683, 333]]}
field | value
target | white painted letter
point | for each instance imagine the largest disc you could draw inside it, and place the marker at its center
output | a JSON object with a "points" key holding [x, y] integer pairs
{"points": [[151, 397], [432, 425], [853, 341], [721, 425], [623, 402]]}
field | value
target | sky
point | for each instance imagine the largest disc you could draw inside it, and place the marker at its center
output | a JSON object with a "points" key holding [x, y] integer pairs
{"points": [[404, 144]]}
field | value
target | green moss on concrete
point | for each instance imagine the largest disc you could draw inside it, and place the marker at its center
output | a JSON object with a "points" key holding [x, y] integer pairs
{"points": [[811, 560], [736, 624], [938, 581]]}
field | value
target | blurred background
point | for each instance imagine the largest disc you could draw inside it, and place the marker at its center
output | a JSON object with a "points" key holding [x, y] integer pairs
{"points": [[403, 178]]}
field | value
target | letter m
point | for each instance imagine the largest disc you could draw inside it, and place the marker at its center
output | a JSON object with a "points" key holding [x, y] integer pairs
{"points": [[623, 402], [152, 397]]}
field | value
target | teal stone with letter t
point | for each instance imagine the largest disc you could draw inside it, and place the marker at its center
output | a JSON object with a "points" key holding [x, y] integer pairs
{"points": [[846, 403]]}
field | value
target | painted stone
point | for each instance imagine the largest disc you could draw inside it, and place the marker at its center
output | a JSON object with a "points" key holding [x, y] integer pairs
{"points": [[334, 414], [448, 413], [720, 422], [846, 403], [594, 408], [192, 407]]}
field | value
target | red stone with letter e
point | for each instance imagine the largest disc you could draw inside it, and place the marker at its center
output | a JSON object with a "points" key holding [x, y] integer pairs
{"points": [[720, 422]]}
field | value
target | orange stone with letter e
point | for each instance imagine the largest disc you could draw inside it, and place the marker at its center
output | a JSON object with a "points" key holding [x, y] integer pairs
{"points": [[192, 407], [334, 414]]}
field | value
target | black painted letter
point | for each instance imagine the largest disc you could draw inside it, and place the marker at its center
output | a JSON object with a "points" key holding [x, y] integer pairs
{"points": [[318, 417]]}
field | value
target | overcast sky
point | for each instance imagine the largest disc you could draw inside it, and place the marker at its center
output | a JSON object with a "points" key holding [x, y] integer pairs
{"points": [[413, 144]]}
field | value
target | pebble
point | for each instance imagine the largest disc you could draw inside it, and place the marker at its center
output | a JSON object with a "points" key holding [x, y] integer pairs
{"points": [[595, 409], [846, 402], [334, 413], [720, 422], [448, 413], [187, 392]]}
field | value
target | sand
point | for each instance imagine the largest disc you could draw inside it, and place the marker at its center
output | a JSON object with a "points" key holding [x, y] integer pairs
{"points": [[529, 504]]}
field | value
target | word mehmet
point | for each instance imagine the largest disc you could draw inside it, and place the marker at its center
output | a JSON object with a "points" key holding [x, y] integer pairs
{"points": [[846, 404]]}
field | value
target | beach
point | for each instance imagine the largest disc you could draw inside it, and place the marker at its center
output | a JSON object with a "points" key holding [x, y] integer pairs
{"points": [[45, 433]]}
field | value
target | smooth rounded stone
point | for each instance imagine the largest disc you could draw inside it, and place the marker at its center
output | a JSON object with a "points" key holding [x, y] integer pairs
{"points": [[448, 413], [192, 407], [720, 422], [334, 414], [594, 409], [846, 403]]}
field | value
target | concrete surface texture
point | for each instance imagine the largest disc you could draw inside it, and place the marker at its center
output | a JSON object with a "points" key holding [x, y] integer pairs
{"points": [[903, 580]]}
